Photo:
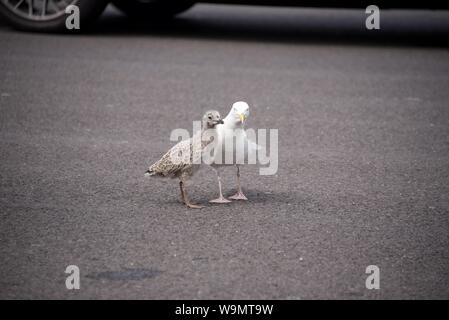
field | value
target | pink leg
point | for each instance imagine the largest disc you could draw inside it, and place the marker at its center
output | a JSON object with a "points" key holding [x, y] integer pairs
{"points": [[185, 198], [239, 195], [220, 199]]}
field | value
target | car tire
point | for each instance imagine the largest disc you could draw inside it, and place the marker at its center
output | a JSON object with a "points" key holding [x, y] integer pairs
{"points": [[152, 9], [55, 18]]}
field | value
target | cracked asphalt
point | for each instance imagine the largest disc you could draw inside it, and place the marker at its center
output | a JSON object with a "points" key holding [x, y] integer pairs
{"points": [[363, 179]]}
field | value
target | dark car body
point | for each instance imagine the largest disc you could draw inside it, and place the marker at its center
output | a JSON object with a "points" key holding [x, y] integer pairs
{"points": [[341, 3], [51, 15]]}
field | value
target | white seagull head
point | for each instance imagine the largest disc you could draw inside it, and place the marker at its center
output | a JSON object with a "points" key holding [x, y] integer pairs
{"points": [[239, 112]]}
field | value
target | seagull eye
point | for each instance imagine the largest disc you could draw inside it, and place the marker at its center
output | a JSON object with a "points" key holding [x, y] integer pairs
{"points": [[210, 117]]}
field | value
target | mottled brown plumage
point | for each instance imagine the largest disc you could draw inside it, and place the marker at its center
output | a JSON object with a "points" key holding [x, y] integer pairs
{"points": [[183, 159]]}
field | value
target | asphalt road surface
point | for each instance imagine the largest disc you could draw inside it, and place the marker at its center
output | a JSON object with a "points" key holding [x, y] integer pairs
{"points": [[363, 179]]}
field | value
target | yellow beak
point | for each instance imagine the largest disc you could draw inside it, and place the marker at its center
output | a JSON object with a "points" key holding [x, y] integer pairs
{"points": [[242, 117]]}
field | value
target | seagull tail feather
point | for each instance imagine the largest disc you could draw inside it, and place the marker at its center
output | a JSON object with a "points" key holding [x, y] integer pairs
{"points": [[149, 173]]}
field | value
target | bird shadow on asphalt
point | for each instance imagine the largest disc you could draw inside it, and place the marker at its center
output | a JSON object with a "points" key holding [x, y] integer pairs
{"points": [[255, 198], [289, 26]]}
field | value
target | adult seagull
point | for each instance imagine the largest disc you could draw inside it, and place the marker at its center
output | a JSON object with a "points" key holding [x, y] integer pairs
{"points": [[233, 126]]}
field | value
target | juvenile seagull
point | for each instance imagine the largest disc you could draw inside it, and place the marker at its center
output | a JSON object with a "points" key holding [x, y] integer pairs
{"points": [[233, 126], [181, 160]]}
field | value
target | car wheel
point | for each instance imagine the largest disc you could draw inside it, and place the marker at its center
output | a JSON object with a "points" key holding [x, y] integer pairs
{"points": [[152, 8], [48, 15]]}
